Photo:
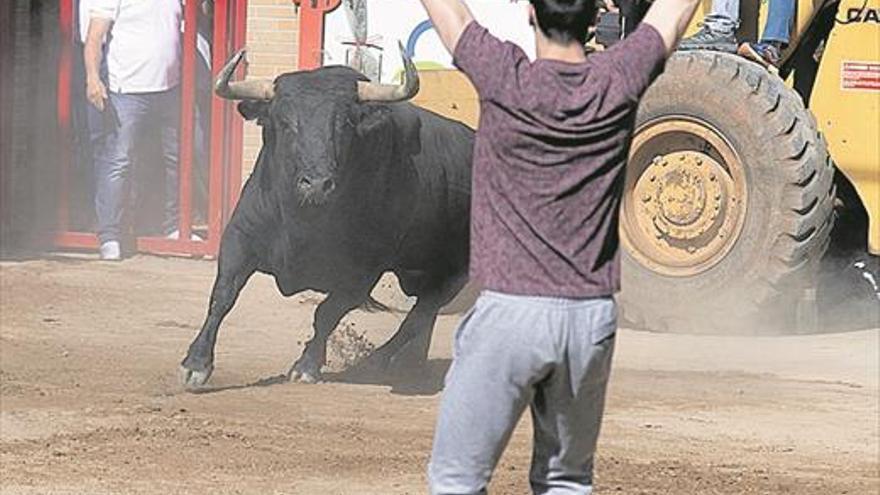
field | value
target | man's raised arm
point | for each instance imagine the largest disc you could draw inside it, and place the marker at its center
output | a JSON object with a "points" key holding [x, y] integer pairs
{"points": [[449, 17], [671, 18]]}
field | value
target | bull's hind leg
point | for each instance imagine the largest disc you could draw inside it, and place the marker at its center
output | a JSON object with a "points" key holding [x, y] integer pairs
{"points": [[307, 368], [408, 348], [234, 268]]}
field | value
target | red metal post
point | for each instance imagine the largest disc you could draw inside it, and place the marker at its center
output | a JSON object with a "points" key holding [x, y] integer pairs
{"points": [[311, 31], [187, 112], [65, 71], [76, 240], [161, 245], [64, 238], [236, 132], [219, 109]]}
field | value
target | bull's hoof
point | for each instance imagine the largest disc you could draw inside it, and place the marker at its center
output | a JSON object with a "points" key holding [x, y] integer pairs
{"points": [[194, 380], [304, 373], [304, 377]]}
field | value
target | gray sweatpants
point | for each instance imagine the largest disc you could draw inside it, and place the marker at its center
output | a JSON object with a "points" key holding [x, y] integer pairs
{"points": [[510, 352]]}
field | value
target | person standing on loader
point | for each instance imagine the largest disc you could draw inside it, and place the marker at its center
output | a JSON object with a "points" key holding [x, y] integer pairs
{"points": [[718, 32], [718, 29], [775, 37], [548, 178]]}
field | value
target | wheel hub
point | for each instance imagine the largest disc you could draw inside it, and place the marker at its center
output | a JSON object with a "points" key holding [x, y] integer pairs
{"points": [[684, 208], [681, 195]]}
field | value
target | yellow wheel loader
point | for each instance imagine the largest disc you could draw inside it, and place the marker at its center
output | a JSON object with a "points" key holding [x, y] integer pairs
{"points": [[737, 176], [740, 178]]}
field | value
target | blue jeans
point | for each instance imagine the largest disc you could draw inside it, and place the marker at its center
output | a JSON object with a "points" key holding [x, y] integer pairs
{"points": [[778, 24], [125, 120], [724, 18]]}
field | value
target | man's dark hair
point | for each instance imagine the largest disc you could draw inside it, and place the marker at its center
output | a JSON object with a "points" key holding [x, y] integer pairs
{"points": [[564, 21]]}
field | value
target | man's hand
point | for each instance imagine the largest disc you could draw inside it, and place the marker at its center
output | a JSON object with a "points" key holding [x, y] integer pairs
{"points": [[96, 92], [449, 17]]}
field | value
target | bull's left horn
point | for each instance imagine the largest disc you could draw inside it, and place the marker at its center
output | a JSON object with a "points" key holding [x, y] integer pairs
{"points": [[258, 89], [393, 92]]}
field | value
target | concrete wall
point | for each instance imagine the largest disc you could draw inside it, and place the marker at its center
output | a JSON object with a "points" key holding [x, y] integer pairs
{"points": [[272, 34]]}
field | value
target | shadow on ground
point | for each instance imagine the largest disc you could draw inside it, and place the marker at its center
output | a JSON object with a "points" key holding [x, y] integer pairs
{"points": [[414, 382], [426, 380]]}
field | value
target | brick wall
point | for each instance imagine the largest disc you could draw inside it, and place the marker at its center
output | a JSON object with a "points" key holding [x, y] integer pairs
{"points": [[272, 34]]}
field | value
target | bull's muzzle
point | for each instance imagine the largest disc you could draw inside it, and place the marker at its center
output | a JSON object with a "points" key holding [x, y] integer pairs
{"points": [[315, 189]]}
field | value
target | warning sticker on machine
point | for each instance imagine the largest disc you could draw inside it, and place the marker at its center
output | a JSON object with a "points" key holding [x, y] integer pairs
{"points": [[860, 75]]}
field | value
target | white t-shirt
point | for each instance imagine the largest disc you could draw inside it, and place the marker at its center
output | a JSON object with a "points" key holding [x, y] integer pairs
{"points": [[143, 52], [85, 8]]}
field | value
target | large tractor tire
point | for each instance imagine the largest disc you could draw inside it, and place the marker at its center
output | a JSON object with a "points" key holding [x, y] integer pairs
{"points": [[728, 203]]}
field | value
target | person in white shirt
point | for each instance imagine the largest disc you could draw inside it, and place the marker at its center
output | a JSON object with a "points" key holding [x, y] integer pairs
{"points": [[143, 51]]}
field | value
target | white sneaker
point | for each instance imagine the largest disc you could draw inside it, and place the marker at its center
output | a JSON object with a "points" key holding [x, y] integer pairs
{"points": [[176, 235], [110, 251]]}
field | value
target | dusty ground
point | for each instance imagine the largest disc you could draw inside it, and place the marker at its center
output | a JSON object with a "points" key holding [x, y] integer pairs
{"points": [[91, 405]]}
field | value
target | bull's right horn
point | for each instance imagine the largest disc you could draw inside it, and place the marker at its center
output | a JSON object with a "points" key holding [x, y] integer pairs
{"points": [[257, 89], [390, 93]]}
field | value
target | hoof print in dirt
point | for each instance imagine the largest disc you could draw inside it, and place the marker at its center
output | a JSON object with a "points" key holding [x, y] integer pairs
{"points": [[194, 380]]}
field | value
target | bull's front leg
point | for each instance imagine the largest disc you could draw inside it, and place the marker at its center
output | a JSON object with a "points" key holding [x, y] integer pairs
{"points": [[307, 368], [234, 267]]}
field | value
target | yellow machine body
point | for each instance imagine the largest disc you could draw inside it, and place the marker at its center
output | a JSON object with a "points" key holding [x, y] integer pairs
{"points": [[846, 102]]}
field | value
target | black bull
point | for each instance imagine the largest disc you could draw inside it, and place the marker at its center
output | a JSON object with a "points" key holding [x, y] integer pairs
{"points": [[350, 183]]}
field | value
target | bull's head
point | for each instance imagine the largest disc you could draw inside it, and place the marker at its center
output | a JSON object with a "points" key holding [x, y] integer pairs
{"points": [[312, 118]]}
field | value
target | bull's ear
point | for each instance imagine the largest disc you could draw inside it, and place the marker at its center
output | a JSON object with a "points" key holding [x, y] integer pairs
{"points": [[372, 118], [250, 110]]}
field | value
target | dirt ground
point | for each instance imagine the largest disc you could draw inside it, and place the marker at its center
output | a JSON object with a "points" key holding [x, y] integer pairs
{"points": [[90, 401]]}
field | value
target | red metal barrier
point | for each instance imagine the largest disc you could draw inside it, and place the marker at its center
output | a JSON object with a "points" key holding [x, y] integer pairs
{"points": [[65, 70], [311, 31], [236, 144], [225, 136]]}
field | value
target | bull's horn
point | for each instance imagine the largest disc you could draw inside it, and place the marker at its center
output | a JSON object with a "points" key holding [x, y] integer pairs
{"points": [[392, 92], [258, 89]]}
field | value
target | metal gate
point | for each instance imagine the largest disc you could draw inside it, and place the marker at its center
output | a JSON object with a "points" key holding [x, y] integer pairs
{"points": [[224, 136]]}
